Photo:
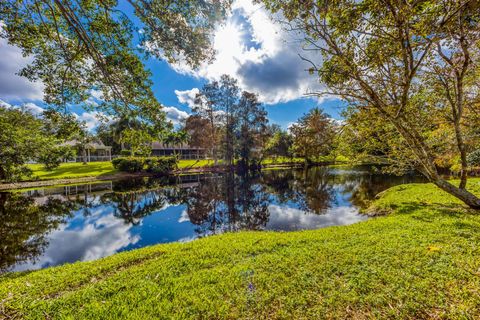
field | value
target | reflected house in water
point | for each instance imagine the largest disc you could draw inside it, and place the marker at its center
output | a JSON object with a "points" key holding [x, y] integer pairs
{"points": [[183, 151]]}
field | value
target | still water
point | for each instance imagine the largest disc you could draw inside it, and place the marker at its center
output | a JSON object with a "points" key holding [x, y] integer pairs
{"points": [[47, 227]]}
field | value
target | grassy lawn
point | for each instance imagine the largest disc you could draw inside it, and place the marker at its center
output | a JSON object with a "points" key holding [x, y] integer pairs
{"points": [[421, 261], [94, 169], [73, 170]]}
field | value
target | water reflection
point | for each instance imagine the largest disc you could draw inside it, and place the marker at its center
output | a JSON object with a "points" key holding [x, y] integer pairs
{"points": [[53, 226]]}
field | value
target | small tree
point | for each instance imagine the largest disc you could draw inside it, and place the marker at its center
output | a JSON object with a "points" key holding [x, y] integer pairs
{"points": [[250, 127], [313, 135], [139, 141]]}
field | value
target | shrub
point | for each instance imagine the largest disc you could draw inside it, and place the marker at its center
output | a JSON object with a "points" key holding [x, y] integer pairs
{"points": [[128, 164], [125, 153], [160, 165]]}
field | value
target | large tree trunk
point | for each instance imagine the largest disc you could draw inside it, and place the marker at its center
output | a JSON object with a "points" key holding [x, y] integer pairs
{"points": [[463, 156], [468, 198], [427, 166]]}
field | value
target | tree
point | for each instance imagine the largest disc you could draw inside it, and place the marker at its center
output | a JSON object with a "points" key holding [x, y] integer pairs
{"points": [[200, 131], [24, 138], [250, 125], [175, 139], [139, 141], [374, 54], [216, 102], [279, 144], [82, 46], [313, 135]]}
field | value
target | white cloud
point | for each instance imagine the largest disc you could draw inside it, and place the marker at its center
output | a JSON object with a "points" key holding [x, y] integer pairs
{"points": [[175, 115], [91, 119], [12, 85], [256, 51], [29, 106], [287, 218], [187, 96], [33, 108], [5, 104], [99, 235]]}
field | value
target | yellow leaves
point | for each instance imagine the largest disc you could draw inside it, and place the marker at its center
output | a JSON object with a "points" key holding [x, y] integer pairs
{"points": [[433, 248]]}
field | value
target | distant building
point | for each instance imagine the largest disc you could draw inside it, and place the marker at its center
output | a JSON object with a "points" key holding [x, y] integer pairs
{"points": [[95, 151], [183, 151]]}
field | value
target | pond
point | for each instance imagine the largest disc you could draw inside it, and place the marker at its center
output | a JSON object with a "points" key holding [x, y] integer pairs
{"points": [[47, 227]]}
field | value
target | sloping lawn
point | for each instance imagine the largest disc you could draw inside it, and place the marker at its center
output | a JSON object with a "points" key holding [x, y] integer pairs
{"points": [[73, 170], [420, 262]]}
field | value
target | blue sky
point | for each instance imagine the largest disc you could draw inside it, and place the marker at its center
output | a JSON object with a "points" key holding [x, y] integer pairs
{"points": [[249, 46]]}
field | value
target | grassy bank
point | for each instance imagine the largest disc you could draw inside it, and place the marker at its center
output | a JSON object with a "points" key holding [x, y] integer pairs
{"points": [[421, 261], [105, 168], [95, 169]]}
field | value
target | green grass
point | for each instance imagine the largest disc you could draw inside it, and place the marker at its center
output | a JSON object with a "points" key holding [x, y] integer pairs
{"points": [[421, 261], [73, 170], [94, 169]]}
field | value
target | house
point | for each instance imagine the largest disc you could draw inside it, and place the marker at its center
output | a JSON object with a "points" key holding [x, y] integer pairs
{"points": [[94, 151], [183, 151]]}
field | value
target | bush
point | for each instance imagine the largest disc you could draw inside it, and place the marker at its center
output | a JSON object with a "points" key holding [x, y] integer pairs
{"points": [[473, 158], [128, 164], [160, 165], [125, 153]]}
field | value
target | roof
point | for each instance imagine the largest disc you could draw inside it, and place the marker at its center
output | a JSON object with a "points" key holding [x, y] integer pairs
{"points": [[96, 145]]}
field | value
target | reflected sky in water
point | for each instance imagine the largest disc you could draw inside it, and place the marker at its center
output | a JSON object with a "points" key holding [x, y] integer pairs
{"points": [[87, 222]]}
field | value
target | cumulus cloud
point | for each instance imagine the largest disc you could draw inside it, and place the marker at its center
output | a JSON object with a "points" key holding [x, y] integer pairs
{"points": [[99, 235], [12, 85], [92, 119], [263, 57], [175, 115], [29, 106], [187, 96]]}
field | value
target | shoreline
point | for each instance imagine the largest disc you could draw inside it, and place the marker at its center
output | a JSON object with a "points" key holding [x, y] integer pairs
{"points": [[125, 175]]}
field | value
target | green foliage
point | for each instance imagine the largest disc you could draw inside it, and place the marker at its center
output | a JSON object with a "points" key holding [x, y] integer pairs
{"points": [[419, 262], [22, 139], [52, 157], [128, 164], [250, 128], [279, 145], [313, 135], [160, 165], [410, 65], [139, 141], [473, 158], [80, 46]]}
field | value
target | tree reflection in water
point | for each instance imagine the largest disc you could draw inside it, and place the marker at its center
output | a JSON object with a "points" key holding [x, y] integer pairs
{"points": [[212, 203], [24, 226]]}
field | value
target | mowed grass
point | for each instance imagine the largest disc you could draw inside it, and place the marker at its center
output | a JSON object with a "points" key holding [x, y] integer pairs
{"points": [[73, 170], [95, 169], [420, 262]]}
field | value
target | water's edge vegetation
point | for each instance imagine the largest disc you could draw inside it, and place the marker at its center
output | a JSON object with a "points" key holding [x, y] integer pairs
{"points": [[422, 260]]}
